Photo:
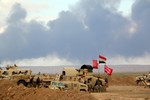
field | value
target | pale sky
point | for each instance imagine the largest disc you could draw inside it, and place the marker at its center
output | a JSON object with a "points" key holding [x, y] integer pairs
{"points": [[45, 10], [40, 9], [125, 6]]}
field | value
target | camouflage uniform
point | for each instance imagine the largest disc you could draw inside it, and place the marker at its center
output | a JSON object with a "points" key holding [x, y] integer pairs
{"points": [[89, 83], [98, 85]]}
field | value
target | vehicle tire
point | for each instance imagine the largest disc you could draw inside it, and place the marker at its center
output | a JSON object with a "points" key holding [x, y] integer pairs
{"points": [[82, 90], [22, 82], [59, 88]]}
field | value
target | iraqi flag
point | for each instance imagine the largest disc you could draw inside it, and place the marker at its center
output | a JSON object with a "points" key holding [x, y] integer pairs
{"points": [[95, 64], [102, 59], [108, 70]]}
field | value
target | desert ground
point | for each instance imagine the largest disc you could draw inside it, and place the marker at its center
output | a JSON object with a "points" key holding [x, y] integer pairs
{"points": [[122, 86]]}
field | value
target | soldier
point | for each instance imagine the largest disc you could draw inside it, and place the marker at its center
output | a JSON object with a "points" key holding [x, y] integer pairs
{"points": [[89, 83], [15, 66], [38, 82], [81, 80], [31, 82], [149, 76], [106, 81], [98, 85], [7, 67]]}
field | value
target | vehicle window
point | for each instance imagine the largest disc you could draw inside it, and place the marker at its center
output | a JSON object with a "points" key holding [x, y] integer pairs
{"points": [[60, 84], [48, 83], [5, 73], [70, 78], [13, 73], [74, 85], [82, 85], [64, 73], [66, 85], [54, 83]]}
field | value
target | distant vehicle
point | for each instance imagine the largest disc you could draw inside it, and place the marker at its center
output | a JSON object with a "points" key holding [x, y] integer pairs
{"points": [[143, 80]]}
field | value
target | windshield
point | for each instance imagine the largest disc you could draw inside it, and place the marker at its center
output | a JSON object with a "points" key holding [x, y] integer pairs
{"points": [[54, 83], [60, 84]]}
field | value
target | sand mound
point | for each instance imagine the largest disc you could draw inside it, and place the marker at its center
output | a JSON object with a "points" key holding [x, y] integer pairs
{"points": [[10, 91], [122, 80]]}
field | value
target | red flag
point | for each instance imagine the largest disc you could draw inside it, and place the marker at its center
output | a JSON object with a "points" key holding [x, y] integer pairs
{"points": [[102, 59], [108, 70], [95, 64]]}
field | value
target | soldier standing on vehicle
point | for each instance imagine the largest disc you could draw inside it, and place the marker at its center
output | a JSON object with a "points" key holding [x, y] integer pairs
{"points": [[15, 66], [7, 67]]}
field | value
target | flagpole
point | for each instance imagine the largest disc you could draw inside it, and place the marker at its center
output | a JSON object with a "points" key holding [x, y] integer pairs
{"points": [[98, 68]]}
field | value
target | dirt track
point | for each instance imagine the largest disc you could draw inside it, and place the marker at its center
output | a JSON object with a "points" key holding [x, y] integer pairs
{"points": [[121, 87], [124, 93]]}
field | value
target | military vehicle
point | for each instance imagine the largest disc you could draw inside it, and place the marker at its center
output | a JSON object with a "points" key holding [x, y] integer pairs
{"points": [[25, 77], [68, 85], [12, 71], [143, 80], [81, 75], [21, 76]]}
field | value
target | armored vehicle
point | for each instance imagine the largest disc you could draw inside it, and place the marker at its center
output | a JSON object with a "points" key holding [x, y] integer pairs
{"points": [[81, 75], [21, 76], [143, 80], [13, 71]]}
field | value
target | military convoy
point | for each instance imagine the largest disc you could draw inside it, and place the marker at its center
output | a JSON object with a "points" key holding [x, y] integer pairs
{"points": [[70, 79]]}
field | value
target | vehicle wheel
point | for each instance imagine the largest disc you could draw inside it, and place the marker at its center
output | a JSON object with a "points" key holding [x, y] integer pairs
{"points": [[22, 82], [82, 90], [59, 88]]}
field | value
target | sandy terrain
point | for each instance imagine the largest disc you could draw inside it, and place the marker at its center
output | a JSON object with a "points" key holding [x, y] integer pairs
{"points": [[124, 93], [121, 87]]}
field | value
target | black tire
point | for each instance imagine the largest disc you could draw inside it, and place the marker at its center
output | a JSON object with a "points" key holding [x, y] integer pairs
{"points": [[82, 90], [22, 82]]}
